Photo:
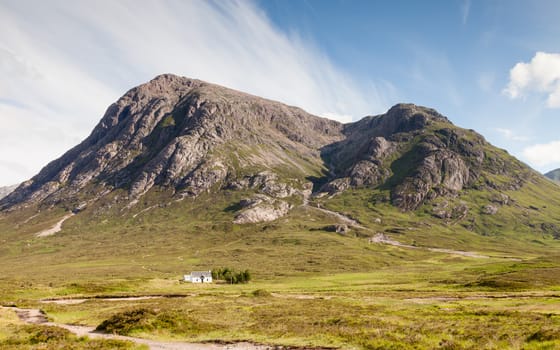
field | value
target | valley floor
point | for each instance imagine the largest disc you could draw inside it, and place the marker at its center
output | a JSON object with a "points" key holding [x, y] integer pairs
{"points": [[346, 311], [389, 282]]}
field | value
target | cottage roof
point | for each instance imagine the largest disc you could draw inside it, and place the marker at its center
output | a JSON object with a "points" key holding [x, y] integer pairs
{"points": [[201, 274]]}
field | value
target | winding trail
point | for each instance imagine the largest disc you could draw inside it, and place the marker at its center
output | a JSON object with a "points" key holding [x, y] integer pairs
{"points": [[384, 239], [345, 219], [74, 301], [56, 228], [36, 316]]}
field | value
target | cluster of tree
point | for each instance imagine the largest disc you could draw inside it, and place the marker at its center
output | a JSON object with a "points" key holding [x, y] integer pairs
{"points": [[231, 276]]}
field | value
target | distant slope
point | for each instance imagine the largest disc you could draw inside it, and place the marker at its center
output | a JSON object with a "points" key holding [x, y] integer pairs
{"points": [[6, 190], [553, 175]]}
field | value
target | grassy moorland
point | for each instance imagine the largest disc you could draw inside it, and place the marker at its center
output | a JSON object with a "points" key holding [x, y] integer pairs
{"points": [[310, 287]]}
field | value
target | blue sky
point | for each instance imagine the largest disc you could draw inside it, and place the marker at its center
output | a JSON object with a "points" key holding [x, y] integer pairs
{"points": [[492, 66], [455, 56]]}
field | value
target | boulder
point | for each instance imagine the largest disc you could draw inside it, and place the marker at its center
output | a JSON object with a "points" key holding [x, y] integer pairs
{"points": [[489, 209], [338, 228]]}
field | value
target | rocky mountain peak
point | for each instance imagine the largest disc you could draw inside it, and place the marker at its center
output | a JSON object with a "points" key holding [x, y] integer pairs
{"points": [[419, 155], [182, 134], [401, 118], [190, 137], [411, 117]]}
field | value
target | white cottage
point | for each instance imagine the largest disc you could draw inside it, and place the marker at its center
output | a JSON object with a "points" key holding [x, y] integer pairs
{"points": [[199, 277]]}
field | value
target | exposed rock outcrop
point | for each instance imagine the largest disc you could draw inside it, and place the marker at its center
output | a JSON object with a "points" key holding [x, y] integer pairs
{"points": [[419, 156], [261, 209], [265, 182]]}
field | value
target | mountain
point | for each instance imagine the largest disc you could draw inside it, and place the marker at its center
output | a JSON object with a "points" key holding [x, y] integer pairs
{"points": [[175, 138], [6, 190], [553, 175], [185, 135], [170, 132], [419, 155]]}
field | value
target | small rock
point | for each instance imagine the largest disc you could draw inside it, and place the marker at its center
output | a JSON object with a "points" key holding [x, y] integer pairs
{"points": [[79, 208], [336, 186], [489, 209], [501, 198], [441, 213], [460, 211], [338, 228]]}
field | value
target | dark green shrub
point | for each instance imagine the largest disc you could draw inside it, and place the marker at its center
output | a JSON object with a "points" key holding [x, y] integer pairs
{"points": [[125, 322], [45, 334], [261, 293], [544, 334], [231, 276]]}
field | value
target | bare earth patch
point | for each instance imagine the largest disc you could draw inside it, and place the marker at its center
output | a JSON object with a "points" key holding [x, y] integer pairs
{"points": [[56, 228]]}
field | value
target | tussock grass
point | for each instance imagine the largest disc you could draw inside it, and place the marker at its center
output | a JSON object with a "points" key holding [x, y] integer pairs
{"points": [[51, 338]]}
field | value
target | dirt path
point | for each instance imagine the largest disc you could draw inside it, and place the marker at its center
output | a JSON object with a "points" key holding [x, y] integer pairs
{"points": [[74, 301], [32, 316], [429, 299], [56, 228], [344, 219], [384, 239], [35, 316], [381, 238]]}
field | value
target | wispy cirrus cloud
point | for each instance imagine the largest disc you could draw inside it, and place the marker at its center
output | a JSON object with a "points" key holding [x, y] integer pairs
{"points": [[465, 11], [541, 75], [62, 63], [511, 135]]}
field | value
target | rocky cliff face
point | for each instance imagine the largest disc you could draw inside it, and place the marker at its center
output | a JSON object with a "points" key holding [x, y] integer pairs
{"points": [[192, 137], [419, 155], [183, 134]]}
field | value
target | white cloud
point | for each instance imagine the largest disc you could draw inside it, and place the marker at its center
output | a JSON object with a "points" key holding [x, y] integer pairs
{"points": [[543, 154], [511, 135], [63, 62], [541, 75]]}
